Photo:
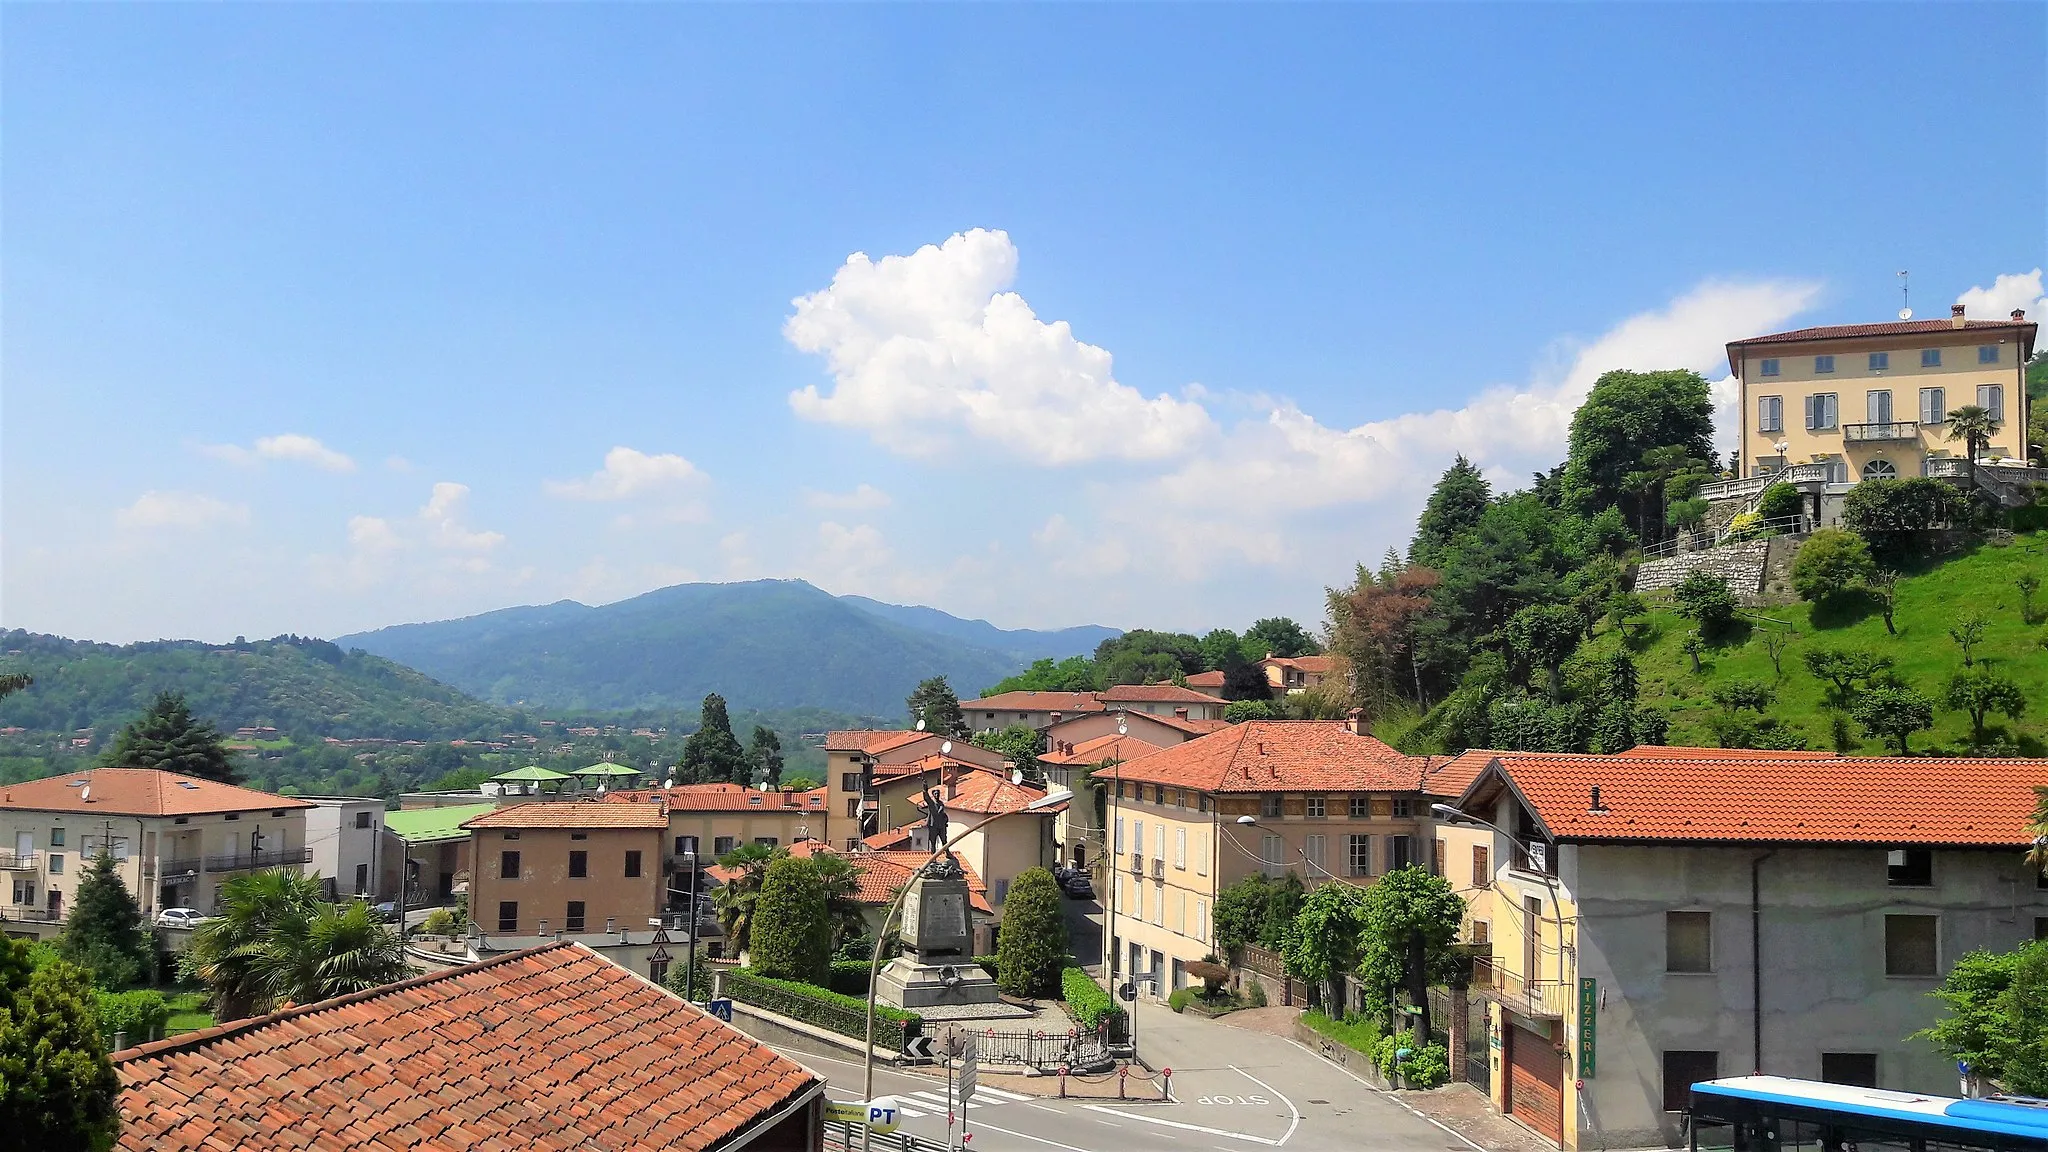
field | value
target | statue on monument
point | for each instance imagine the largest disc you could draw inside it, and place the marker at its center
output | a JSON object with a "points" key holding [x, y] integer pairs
{"points": [[934, 818]]}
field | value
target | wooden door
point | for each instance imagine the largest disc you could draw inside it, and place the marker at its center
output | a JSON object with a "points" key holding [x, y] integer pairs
{"points": [[1535, 1082]]}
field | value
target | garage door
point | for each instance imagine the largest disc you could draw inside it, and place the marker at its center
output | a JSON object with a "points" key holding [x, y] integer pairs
{"points": [[1535, 1082]]}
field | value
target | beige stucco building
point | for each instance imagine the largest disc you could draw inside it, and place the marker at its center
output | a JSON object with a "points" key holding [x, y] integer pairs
{"points": [[857, 761], [175, 839], [567, 866], [1867, 400]]}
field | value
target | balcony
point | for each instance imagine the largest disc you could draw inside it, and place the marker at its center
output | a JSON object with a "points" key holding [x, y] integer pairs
{"points": [[1137, 864], [249, 861], [1538, 857], [1552, 999], [18, 861], [1896, 430], [31, 913], [1158, 869]]}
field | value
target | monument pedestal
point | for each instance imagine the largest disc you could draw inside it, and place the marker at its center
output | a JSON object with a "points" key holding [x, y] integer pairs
{"points": [[905, 983], [937, 969]]}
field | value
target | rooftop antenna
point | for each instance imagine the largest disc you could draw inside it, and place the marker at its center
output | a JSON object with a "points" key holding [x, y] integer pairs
{"points": [[1905, 295]]}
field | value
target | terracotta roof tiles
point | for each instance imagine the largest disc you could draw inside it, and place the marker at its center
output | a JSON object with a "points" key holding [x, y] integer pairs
{"points": [[1155, 693], [700, 798], [1277, 756], [987, 793], [549, 1049], [1035, 702], [1110, 747], [573, 814], [873, 741], [137, 792]]}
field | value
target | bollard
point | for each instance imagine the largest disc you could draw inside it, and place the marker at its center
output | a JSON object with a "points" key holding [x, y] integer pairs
{"points": [[1120, 1074], [1063, 1081], [1166, 1084]]}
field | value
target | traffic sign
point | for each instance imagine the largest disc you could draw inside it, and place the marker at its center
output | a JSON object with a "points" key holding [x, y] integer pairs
{"points": [[721, 1008], [918, 1048], [970, 1073], [1128, 991]]}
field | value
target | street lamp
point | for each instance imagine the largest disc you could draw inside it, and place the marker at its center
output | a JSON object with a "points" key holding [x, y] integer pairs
{"points": [[1048, 800], [1451, 815]]}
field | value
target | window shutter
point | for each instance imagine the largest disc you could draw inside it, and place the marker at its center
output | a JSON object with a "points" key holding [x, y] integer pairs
{"points": [[1812, 407]]}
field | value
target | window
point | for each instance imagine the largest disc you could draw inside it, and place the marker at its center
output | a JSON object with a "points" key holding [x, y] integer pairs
{"points": [[579, 835], [720, 845], [56, 863], [56, 837], [1877, 406], [1770, 413], [508, 865], [362, 819], [579, 865], [1436, 862], [1991, 398], [1880, 469], [1857, 1068], [1158, 908], [1002, 891], [1400, 852], [2041, 927], [1909, 946], [1201, 857], [1272, 855], [1823, 411], [849, 782], [1138, 901], [1933, 405], [1482, 867], [1159, 794], [1930, 357], [1118, 844], [1879, 361], [572, 918], [1987, 353], [1482, 932], [686, 845], [1682, 1070], [1180, 847], [1202, 802], [1361, 807], [508, 915], [1317, 808], [1404, 807], [1202, 918], [853, 807], [1317, 849], [511, 835], [1909, 868], [362, 879], [1269, 805], [1137, 837], [1688, 941], [232, 816], [1180, 797], [1358, 856], [1159, 842], [1823, 364], [633, 863], [1769, 367]]}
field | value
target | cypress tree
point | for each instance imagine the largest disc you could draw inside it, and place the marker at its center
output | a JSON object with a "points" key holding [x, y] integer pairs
{"points": [[168, 737], [104, 935]]}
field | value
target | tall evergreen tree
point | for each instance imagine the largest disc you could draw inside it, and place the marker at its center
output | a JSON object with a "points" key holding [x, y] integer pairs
{"points": [[57, 1087], [766, 754], [1455, 506], [167, 736], [1627, 414], [104, 935], [934, 702], [713, 754], [792, 937]]}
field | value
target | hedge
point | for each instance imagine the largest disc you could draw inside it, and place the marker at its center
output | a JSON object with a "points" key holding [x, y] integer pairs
{"points": [[846, 1015], [139, 1016], [850, 978], [1086, 1002], [988, 965]]}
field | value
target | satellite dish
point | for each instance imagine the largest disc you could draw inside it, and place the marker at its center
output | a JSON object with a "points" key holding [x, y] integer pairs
{"points": [[920, 724], [946, 749], [1123, 727], [671, 783], [85, 793], [1905, 313]]}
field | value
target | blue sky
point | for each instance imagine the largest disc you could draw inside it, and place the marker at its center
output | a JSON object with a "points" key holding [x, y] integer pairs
{"points": [[323, 318]]}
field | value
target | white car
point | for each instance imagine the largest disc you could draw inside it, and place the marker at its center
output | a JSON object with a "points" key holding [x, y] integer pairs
{"points": [[179, 918]]}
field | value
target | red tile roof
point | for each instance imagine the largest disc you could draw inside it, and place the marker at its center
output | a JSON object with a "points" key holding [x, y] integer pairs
{"points": [[1450, 777], [895, 837], [1155, 693], [2024, 328], [137, 792], [873, 741], [987, 793], [1206, 680], [1110, 747], [1759, 796], [1277, 756], [1035, 702], [1186, 724], [1319, 664], [730, 798], [574, 814], [549, 1049], [883, 874]]}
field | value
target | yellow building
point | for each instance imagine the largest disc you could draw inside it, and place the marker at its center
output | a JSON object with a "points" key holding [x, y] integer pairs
{"points": [[857, 759], [1864, 401]]}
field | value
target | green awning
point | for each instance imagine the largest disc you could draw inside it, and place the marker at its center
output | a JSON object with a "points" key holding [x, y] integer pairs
{"points": [[605, 770], [427, 825], [532, 772]]}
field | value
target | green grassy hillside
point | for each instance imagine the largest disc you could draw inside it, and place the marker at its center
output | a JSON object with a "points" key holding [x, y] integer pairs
{"points": [[1930, 599]]}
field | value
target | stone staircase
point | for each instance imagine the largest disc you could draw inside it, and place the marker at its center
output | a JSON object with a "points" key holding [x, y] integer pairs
{"points": [[1741, 565]]}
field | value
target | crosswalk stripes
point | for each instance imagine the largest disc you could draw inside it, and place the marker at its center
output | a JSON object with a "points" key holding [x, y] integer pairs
{"points": [[935, 1101]]}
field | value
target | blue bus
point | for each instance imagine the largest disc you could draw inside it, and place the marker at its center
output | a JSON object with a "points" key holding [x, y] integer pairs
{"points": [[1779, 1114]]}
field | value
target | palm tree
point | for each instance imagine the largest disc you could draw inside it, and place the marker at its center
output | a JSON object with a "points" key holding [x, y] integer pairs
{"points": [[843, 909], [735, 898], [276, 941], [1974, 425]]}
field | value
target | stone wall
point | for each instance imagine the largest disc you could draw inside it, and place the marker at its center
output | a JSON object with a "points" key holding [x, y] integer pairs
{"points": [[1741, 565]]}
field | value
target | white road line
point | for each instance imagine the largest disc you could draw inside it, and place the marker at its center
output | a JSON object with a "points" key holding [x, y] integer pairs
{"points": [[1109, 1123], [1291, 1124], [1043, 1108], [1189, 1127], [981, 1127], [1002, 1094], [1412, 1111]]}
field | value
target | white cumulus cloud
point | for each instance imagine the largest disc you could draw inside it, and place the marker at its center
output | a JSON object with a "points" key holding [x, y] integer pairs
{"points": [[928, 346], [2009, 291], [627, 473], [442, 515], [863, 497], [290, 446], [154, 509]]}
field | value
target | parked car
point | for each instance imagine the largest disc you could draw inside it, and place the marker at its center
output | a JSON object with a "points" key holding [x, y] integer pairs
{"points": [[179, 918], [387, 912], [1078, 887]]}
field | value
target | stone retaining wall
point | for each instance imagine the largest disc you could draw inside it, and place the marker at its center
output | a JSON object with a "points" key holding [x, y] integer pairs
{"points": [[1741, 565]]}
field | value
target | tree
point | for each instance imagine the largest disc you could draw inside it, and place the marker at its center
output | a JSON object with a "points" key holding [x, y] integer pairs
{"points": [[1980, 693], [1278, 636], [1845, 668], [1328, 939], [1830, 563], [58, 1090], [1382, 628], [1412, 919], [2023, 1045], [1970, 992], [1283, 902], [1893, 712], [1885, 586], [765, 753], [1454, 508], [1974, 425], [1967, 632], [1074, 674], [1694, 645], [277, 941], [1735, 695], [1218, 645], [1244, 680], [712, 754], [1239, 711], [1894, 515], [1033, 948], [792, 937], [12, 682], [1240, 913], [105, 935], [2028, 584], [1704, 598], [843, 911], [1020, 744], [1142, 656], [1775, 643], [168, 737], [934, 702], [1544, 636], [738, 898], [1625, 416], [1779, 501]]}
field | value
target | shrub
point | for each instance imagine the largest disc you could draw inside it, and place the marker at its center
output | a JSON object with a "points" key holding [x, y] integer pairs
{"points": [[1429, 1067], [1744, 526], [1239, 711], [1353, 1031], [1211, 974], [1705, 599], [1033, 947], [138, 1016], [1892, 514], [1178, 999], [850, 977], [439, 922], [1255, 996], [1087, 1004], [989, 964], [846, 1015], [1830, 563], [698, 974], [1240, 911], [1780, 500], [1893, 712], [791, 937]]}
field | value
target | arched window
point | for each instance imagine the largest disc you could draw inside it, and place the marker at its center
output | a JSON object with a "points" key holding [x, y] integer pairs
{"points": [[1880, 470]]}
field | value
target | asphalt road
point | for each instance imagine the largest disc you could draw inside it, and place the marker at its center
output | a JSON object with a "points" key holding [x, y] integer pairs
{"points": [[1234, 1090]]}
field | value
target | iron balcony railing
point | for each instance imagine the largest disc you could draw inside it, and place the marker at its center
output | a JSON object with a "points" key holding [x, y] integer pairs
{"points": [[248, 861], [1137, 864], [1895, 430], [1534, 998], [18, 861], [1158, 869]]}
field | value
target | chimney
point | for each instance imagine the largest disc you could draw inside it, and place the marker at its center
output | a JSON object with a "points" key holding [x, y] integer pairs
{"points": [[2019, 314], [949, 774], [1181, 712], [1055, 715], [1355, 720], [1955, 316], [1597, 806]]}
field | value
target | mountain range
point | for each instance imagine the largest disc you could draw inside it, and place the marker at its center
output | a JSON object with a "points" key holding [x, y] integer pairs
{"points": [[765, 644]]}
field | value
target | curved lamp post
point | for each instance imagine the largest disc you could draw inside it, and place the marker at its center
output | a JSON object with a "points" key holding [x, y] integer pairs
{"points": [[1450, 815]]}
